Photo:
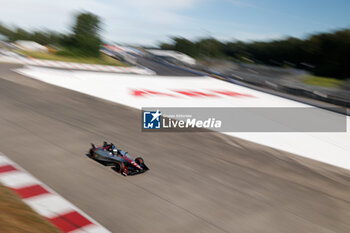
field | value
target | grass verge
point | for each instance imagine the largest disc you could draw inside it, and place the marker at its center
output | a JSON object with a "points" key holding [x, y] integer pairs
{"points": [[102, 60], [322, 81], [17, 217]]}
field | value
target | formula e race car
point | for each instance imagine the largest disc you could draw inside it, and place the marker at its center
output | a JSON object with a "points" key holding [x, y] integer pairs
{"points": [[108, 154]]}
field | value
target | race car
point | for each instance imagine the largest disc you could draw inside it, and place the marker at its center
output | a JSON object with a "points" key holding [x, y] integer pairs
{"points": [[123, 162]]}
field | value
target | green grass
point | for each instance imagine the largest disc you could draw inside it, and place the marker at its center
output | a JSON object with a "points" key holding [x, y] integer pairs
{"points": [[322, 81], [102, 60], [17, 217]]}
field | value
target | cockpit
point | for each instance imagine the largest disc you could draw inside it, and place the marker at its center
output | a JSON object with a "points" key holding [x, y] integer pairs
{"points": [[115, 151]]}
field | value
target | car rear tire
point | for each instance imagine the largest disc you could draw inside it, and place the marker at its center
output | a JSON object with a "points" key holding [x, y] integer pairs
{"points": [[93, 154], [119, 167], [139, 161]]}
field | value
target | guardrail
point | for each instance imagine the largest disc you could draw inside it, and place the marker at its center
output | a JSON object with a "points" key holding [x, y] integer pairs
{"points": [[265, 85]]}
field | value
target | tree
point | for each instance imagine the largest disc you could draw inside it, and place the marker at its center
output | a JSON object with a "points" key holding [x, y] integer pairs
{"points": [[86, 38], [6, 31], [166, 46], [211, 47], [185, 46], [324, 54]]}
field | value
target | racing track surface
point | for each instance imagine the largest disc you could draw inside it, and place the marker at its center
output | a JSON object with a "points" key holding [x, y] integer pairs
{"points": [[198, 182], [163, 69]]}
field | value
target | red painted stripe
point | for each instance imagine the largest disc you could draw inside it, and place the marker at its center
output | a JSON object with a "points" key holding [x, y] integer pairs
{"points": [[70, 221], [76, 65], [7, 168], [97, 67], [31, 191]]}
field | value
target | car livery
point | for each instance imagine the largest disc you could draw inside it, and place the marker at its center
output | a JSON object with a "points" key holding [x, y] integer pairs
{"points": [[123, 162]]}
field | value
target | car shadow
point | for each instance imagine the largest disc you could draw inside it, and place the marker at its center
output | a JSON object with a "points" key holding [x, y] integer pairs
{"points": [[100, 162], [115, 169]]}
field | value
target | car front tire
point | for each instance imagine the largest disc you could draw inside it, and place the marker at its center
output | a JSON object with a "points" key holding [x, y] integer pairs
{"points": [[139, 161], [119, 167]]}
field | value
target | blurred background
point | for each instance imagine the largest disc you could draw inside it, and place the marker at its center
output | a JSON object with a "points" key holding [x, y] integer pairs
{"points": [[197, 53], [301, 47]]}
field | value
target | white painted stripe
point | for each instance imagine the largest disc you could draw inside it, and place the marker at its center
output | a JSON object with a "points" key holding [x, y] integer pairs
{"points": [[100, 67], [125, 69], [25, 60], [80, 66], [63, 64], [116, 69], [18, 179], [58, 65], [49, 205], [77, 66], [52, 63], [109, 68], [96, 67], [39, 62], [91, 229], [86, 66], [67, 65], [4, 161]]}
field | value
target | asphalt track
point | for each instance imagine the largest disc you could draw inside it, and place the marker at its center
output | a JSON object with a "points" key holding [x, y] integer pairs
{"points": [[163, 69], [198, 182]]}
